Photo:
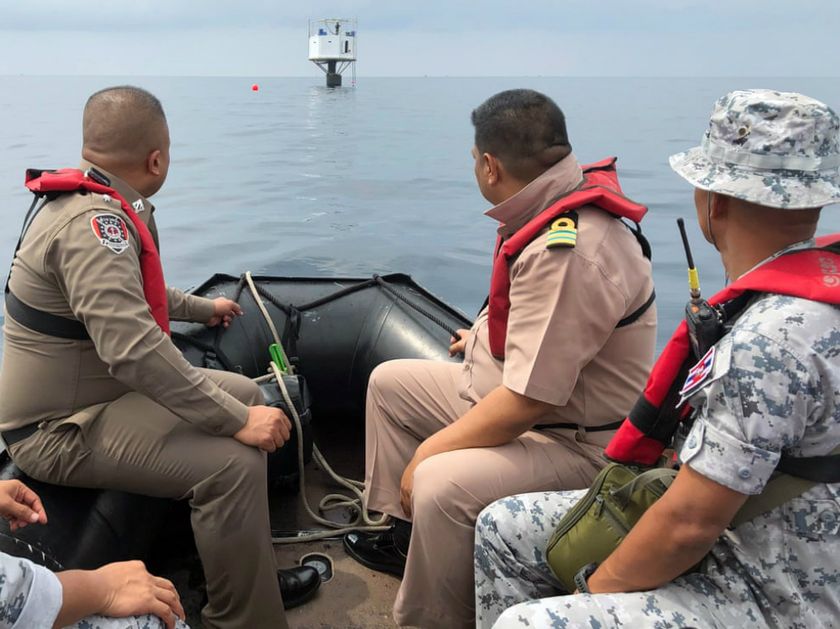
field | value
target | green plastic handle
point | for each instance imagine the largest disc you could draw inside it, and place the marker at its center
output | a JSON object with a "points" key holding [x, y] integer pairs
{"points": [[277, 357]]}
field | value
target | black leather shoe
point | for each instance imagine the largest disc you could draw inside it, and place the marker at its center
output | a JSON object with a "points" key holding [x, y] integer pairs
{"points": [[377, 551], [298, 585]]}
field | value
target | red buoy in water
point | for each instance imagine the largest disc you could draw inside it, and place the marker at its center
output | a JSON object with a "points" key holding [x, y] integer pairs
{"points": [[255, 88]]}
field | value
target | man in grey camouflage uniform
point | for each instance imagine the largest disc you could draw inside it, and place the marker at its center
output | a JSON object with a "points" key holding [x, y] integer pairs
{"points": [[767, 163]]}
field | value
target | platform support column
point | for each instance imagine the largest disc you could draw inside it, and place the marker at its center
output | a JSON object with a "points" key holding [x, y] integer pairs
{"points": [[333, 77]]}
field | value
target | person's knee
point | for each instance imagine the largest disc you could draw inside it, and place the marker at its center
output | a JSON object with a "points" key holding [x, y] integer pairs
{"points": [[243, 468], [436, 488], [487, 520], [515, 616], [382, 377], [246, 390]]}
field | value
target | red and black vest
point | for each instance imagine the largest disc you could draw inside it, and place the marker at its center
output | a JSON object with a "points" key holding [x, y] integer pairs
{"points": [[50, 184], [812, 273], [600, 188]]}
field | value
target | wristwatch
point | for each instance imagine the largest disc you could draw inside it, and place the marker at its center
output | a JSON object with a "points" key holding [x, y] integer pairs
{"points": [[583, 575]]}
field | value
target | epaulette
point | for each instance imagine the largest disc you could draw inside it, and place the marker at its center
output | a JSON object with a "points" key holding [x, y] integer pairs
{"points": [[563, 232]]}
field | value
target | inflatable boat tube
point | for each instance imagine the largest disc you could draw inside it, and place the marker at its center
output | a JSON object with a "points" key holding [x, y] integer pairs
{"points": [[335, 331]]}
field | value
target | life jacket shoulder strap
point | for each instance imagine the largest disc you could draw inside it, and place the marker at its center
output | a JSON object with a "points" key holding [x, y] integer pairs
{"points": [[44, 322]]}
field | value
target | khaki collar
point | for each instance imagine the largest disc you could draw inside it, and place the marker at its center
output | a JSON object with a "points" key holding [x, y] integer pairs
{"points": [[142, 206], [516, 211]]}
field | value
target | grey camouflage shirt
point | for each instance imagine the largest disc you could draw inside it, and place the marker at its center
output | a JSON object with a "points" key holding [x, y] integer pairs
{"points": [[775, 388]]}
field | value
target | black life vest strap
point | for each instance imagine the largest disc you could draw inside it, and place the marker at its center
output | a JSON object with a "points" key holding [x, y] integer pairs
{"points": [[638, 312], [817, 469], [44, 322], [601, 428]]}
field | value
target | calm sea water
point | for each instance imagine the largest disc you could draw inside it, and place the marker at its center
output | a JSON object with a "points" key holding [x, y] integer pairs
{"points": [[297, 179]]}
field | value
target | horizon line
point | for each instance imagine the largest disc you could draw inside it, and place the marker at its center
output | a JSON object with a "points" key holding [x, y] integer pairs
{"points": [[433, 76]]}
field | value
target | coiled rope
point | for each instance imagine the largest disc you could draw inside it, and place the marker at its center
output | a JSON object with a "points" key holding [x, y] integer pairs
{"points": [[355, 502]]}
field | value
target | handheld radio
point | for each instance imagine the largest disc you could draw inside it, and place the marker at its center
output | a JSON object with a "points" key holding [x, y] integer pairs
{"points": [[705, 324]]}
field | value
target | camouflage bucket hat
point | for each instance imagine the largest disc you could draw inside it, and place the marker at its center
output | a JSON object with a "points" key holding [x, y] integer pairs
{"points": [[778, 149]]}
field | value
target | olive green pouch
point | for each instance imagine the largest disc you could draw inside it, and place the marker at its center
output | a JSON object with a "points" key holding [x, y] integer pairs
{"points": [[595, 526]]}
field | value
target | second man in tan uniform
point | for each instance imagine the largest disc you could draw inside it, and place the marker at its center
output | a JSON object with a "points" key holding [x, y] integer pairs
{"points": [[446, 439]]}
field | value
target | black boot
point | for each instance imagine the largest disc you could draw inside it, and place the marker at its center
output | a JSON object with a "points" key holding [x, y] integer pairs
{"points": [[384, 551], [298, 585]]}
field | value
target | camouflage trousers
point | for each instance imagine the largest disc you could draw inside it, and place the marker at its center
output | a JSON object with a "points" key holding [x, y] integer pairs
{"points": [[516, 588], [133, 622]]}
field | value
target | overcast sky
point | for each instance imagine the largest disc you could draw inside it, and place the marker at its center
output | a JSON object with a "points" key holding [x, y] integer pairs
{"points": [[425, 37]]}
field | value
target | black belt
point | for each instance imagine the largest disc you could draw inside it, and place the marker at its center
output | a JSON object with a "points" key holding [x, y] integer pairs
{"points": [[11, 437], [601, 428]]}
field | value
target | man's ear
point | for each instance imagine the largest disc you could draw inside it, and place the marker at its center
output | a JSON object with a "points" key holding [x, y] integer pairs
{"points": [[153, 165], [720, 205], [493, 169]]}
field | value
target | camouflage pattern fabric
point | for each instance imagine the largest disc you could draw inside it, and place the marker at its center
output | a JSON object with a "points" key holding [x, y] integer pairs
{"points": [[774, 387], [135, 622], [30, 598], [778, 149]]}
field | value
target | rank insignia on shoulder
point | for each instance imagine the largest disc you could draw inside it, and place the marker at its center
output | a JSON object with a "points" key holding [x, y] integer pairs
{"points": [[111, 231], [563, 232]]}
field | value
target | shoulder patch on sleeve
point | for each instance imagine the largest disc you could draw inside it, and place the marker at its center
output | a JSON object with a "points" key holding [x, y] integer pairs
{"points": [[563, 231], [111, 231], [713, 366]]}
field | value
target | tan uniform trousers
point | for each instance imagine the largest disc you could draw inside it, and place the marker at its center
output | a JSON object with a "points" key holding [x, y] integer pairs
{"points": [[409, 400], [133, 444]]}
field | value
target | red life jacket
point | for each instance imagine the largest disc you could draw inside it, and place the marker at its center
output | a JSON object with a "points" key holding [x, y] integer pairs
{"points": [[599, 188], [72, 180], [807, 273]]}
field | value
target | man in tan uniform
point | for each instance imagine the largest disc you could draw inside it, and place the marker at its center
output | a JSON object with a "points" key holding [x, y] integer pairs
{"points": [[124, 410], [444, 440]]}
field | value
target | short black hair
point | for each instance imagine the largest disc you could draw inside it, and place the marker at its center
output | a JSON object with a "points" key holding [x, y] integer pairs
{"points": [[133, 96], [524, 129], [121, 124]]}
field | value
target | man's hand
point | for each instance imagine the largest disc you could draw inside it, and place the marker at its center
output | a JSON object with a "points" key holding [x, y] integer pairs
{"points": [[224, 310], [267, 428], [459, 342], [20, 505], [117, 590], [129, 590]]}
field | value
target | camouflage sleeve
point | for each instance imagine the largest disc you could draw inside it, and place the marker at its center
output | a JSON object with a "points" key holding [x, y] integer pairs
{"points": [[30, 595], [757, 402], [184, 307]]}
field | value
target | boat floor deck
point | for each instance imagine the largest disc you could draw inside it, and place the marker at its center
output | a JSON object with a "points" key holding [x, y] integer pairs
{"points": [[356, 597]]}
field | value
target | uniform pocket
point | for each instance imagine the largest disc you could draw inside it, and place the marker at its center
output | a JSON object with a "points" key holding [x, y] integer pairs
{"points": [[55, 453], [812, 520]]}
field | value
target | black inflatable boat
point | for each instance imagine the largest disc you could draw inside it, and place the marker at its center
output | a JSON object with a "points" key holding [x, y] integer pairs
{"points": [[334, 331]]}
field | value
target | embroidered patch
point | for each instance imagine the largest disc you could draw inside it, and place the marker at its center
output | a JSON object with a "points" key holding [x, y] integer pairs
{"points": [[698, 375], [138, 205], [111, 232]]}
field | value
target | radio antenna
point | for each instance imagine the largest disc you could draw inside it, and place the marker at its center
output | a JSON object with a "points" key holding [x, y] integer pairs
{"points": [[693, 276]]}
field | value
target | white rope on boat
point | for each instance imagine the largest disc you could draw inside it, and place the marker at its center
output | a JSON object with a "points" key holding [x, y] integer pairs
{"points": [[267, 317], [355, 502]]}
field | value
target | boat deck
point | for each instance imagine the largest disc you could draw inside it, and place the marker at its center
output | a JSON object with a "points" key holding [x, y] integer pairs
{"points": [[355, 597]]}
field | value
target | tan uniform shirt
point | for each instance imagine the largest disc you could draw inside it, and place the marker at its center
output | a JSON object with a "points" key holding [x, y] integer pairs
{"points": [[562, 343], [63, 268]]}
